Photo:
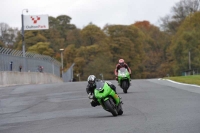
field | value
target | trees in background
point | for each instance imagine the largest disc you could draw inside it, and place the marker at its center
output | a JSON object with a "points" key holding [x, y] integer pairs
{"points": [[7, 35], [150, 51], [182, 27], [179, 12], [185, 41]]}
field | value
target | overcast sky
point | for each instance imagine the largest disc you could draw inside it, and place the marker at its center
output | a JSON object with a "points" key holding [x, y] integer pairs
{"points": [[82, 12]]}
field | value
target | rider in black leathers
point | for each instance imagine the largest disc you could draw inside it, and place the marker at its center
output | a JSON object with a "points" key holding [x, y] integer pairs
{"points": [[92, 85]]}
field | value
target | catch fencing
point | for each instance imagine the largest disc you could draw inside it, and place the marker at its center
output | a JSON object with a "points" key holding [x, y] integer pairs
{"points": [[13, 60], [68, 75]]}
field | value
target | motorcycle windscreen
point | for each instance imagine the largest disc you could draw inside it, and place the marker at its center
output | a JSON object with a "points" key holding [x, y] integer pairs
{"points": [[122, 69], [122, 72], [100, 85]]}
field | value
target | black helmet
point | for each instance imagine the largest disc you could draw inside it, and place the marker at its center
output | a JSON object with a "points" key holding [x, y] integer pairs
{"points": [[91, 80]]}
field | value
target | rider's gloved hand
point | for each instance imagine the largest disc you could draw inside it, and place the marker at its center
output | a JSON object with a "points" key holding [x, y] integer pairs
{"points": [[116, 78], [90, 96]]}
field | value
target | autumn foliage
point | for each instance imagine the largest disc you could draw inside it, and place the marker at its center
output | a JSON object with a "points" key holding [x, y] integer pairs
{"points": [[149, 51]]}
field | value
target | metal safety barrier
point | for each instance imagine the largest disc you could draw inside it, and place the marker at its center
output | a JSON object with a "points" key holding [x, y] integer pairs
{"points": [[13, 60]]}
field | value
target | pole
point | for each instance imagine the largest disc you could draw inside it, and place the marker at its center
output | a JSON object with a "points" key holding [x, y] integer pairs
{"points": [[62, 62], [78, 75], [189, 61], [53, 68], [23, 43]]}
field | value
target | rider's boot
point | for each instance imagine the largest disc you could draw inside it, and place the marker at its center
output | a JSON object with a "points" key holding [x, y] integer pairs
{"points": [[94, 102]]}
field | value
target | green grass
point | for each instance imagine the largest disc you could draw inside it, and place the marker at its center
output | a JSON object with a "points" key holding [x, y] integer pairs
{"points": [[192, 79]]}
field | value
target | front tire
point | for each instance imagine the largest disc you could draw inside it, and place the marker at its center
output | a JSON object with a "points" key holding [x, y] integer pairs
{"points": [[120, 110], [109, 104]]}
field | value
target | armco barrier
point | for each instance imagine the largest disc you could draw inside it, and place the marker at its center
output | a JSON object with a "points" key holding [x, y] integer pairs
{"points": [[8, 78]]}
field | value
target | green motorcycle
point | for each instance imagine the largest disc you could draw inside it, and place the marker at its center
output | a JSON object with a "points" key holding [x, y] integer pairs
{"points": [[124, 79], [107, 98]]}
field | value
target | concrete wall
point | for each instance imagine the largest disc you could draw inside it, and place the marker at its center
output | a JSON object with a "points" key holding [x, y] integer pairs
{"points": [[8, 78]]}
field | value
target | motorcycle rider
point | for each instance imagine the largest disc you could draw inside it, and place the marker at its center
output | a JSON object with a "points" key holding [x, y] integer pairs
{"points": [[92, 85], [121, 64]]}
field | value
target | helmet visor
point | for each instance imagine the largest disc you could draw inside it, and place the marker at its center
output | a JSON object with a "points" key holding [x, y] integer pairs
{"points": [[91, 82]]}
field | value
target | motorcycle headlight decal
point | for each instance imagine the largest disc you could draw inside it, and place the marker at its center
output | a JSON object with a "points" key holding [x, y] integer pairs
{"points": [[100, 89], [122, 74]]}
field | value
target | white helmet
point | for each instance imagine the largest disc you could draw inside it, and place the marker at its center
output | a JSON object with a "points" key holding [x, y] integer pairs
{"points": [[91, 80]]}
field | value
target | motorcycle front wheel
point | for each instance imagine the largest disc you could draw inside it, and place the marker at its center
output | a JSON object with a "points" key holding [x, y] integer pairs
{"points": [[125, 86], [109, 104], [120, 110]]}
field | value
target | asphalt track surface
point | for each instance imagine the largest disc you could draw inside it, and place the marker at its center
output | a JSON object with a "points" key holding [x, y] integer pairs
{"points": [[150, 106]]}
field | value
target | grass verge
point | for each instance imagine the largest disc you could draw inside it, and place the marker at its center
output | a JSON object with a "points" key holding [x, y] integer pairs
{"points": [[192, 79]]}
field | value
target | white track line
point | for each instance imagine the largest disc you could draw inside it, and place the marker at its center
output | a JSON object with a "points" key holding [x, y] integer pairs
{"points": [[179, 82]]}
